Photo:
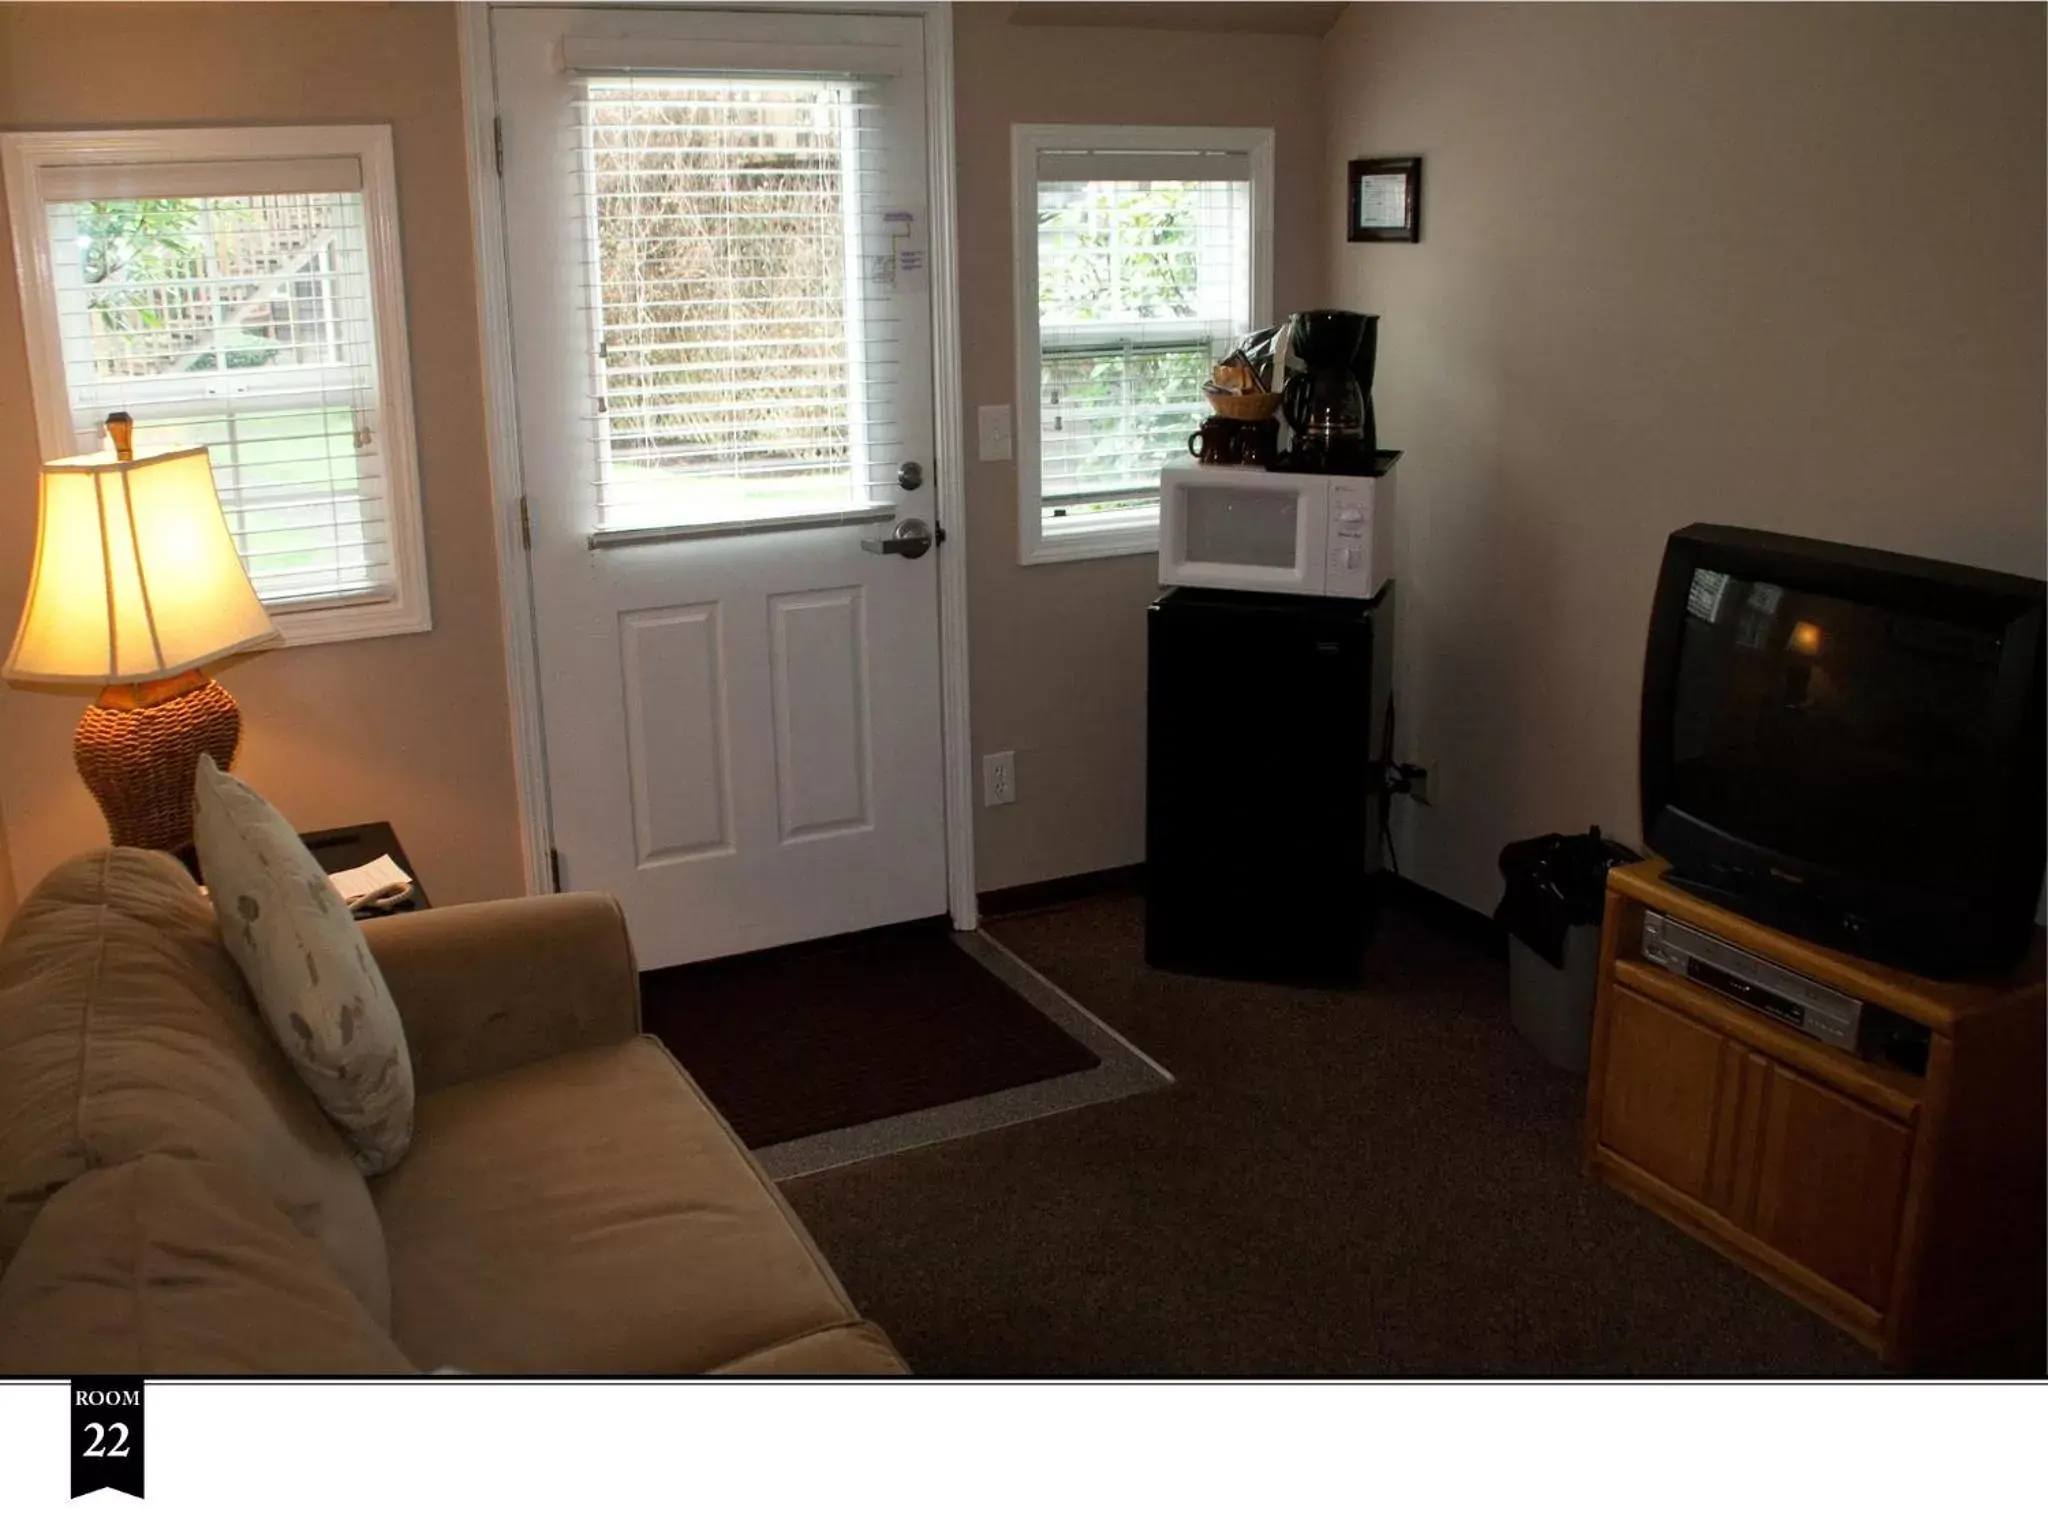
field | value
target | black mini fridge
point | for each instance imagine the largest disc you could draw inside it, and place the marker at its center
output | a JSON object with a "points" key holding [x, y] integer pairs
{"points": [[1263, 799]]}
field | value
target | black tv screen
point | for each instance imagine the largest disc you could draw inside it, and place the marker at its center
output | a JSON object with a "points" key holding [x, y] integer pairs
{"points": [[1845, 742], [1804, 722]]}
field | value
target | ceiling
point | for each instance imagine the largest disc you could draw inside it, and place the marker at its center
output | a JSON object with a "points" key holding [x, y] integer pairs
{"points": [[1177, 16]]}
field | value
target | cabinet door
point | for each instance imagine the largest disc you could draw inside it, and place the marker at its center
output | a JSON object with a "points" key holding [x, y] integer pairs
{"points": [[1831, 1184], [1659, 1092]]}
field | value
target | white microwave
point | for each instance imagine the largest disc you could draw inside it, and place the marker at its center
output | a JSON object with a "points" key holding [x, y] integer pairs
{"points": [[1259, 530]]}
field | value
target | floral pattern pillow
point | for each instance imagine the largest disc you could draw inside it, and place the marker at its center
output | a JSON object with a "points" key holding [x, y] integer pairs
{"points": [[305, 960]]}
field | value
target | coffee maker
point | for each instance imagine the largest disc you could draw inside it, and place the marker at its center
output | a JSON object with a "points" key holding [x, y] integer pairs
{"points": [[1327, 401]]}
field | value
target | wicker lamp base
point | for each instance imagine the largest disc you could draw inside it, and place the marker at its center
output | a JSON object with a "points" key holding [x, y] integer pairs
{"points": [[138, 748]]}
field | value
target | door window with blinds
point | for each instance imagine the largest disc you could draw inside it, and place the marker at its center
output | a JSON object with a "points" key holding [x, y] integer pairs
{"points": [[741, 283], [239, 290], [1142, 255]]}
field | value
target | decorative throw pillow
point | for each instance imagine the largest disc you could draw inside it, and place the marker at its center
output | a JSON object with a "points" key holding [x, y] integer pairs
{"points": [[305, 960]]}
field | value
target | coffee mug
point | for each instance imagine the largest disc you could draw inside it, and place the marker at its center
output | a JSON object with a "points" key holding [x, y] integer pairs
{"points": [[1215, 441], [1258, 442]]}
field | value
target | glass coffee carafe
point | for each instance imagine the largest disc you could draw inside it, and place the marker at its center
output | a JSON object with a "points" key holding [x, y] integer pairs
{"points": [[1328, 401]]}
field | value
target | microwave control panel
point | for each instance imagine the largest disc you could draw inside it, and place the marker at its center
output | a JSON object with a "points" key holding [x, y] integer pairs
{"points": [[1356, 558]]}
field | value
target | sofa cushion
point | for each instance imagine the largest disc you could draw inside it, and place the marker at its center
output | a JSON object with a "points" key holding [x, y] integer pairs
{"points": [[164, 1266], [125, 1029], [304, 957], [592, 1213], [853, 1349]]}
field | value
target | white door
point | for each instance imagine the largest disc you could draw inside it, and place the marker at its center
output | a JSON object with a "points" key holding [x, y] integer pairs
{"points": [[716, 226]]}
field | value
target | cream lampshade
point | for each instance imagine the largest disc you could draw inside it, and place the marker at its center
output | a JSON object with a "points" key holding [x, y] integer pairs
{"points": [[136, 586]]}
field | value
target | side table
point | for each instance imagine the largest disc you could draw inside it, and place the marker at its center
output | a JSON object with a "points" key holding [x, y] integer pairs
{"points": [[338, 848]]}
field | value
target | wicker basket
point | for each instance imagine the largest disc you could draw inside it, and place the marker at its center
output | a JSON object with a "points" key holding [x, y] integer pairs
{"points": [[1242, 407]]}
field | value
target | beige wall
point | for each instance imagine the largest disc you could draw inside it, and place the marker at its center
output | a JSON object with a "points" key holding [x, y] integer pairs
{"points": [[411, 729], [1665, 275], [7, 897], [1773, 265], [1059, 650]]}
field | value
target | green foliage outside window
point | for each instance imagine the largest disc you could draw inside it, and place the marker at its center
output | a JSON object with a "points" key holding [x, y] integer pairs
{"points": [[1113, 408], [1117, 250]]}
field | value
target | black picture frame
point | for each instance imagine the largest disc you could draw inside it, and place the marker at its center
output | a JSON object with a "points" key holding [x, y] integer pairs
{"points": [[1361, 207]]}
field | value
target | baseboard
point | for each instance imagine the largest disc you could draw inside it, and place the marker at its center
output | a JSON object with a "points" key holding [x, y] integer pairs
{"points": [[1123, 880], [1452, 918]]}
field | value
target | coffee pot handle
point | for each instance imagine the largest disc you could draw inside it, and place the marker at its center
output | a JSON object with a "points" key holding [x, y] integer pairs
{"points": [[1289, 400]]}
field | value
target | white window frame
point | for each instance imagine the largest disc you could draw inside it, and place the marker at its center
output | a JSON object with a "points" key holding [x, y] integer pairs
{"points": [[1136, 534], [25, 157]]}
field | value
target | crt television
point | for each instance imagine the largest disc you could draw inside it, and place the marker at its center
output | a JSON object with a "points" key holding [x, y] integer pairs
{"points": [[1848, 745]]}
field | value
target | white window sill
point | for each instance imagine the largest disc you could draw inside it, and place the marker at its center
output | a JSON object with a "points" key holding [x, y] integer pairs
{"points": [[1086, 543], [328, 624]]}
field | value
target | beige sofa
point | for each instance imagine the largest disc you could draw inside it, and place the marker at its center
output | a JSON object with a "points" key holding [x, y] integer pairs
{"points": [[172, 1200]]}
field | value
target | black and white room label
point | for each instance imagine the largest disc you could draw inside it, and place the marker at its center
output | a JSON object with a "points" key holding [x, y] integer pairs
{"points": [[106, 1434]]}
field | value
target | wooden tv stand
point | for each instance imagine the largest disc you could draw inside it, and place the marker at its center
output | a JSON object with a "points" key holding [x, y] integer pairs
{"points": [[1906, 1209]]}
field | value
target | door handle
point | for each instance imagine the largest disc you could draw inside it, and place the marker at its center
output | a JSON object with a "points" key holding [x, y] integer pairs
{"points": [[910, 539]]}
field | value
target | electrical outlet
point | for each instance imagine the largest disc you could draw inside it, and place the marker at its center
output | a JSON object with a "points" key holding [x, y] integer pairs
{"points": [[999, 778], [1429, 789]]}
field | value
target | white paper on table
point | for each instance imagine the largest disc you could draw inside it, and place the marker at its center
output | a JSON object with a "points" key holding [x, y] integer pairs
{"points": [[382, 877]]}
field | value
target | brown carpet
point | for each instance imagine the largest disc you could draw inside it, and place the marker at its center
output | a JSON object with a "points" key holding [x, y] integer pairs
{"points": [[1366, 1183], [790, 1043]]}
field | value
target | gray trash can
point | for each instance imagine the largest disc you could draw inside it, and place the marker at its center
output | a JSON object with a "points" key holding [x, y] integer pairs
{"points": [[1553, 1006], [1551, 909]]}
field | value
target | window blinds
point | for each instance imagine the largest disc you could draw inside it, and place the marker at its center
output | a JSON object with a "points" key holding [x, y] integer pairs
{"points": [[745, 346], [1144, 280], [229, 304]]}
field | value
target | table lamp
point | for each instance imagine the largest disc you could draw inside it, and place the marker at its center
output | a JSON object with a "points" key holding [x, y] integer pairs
{"points": [[136, 586]]}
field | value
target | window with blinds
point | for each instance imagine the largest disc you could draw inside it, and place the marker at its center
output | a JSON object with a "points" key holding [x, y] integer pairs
{"points": [[233, 300], [1141, 266], [744, 346]]}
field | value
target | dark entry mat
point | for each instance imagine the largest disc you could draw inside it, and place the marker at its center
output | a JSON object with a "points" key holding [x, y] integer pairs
{"points": [[794, 1042]]}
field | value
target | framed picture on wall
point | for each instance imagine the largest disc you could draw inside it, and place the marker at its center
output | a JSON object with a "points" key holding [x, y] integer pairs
{"points": [[1385, 200]]}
